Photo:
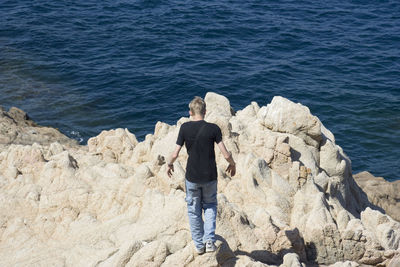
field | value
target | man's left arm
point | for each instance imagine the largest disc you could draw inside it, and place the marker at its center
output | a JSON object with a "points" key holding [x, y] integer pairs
{"points": [[228, 156], [173, 157]]}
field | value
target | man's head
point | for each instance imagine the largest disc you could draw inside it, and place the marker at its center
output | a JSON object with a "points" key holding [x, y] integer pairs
{"points": [[197, 106]]}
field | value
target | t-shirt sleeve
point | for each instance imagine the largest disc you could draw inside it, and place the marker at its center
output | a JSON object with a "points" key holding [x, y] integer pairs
{"points": [[218, 134], [180, 139]]}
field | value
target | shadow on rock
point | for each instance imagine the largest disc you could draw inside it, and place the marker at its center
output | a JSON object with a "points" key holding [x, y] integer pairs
{"points": [[224, 255], [263, 256]]}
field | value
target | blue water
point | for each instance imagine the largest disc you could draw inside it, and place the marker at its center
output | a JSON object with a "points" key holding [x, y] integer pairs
{"points": [[85, 66]]}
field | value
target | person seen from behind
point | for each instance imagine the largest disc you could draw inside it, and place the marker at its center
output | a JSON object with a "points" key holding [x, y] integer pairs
{"points": [[199, 137]]}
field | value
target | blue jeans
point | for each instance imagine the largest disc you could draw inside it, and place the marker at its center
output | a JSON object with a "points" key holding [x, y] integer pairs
{"points": [[201, 197]]}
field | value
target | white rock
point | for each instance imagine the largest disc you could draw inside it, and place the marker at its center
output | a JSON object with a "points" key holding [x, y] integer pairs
{"points": [[291, 260], [284, 116]]}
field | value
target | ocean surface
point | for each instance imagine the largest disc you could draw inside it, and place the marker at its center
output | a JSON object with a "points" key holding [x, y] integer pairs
{"points": [[87, 66]]}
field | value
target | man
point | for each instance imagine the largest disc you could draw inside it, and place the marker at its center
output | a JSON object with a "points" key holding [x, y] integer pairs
{"points": [[199, 137]]}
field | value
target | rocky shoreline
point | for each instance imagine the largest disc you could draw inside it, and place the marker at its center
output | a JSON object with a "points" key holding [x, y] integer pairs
{"points": [[294, 201], [17, 128], [381, 193]]}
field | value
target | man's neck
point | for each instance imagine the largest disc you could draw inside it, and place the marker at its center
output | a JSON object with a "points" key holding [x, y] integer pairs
{"points": [[197, 118]]}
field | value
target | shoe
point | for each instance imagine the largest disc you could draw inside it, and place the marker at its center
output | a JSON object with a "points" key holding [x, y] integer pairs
{"points": [[210, 247], [200, 251]]}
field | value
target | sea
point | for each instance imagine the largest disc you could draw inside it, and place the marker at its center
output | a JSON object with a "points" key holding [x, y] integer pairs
{"points": [[88, 66]]}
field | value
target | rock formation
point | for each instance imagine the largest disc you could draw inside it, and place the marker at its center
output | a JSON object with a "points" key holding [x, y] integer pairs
{"points": [[293, 200], [17, 128], [381, 193]]}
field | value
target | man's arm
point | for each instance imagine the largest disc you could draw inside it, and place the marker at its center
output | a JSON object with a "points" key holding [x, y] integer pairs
{"points": [[228, 156], [174, 156]]}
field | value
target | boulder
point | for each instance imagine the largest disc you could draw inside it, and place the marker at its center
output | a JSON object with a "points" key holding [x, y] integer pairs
{"points": [[282, 115]]}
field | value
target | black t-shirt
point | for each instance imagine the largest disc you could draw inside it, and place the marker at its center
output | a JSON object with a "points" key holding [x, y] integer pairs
{"points": [[201, 166]]}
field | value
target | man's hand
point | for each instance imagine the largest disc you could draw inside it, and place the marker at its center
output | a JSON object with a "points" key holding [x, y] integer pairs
{"points": [[170, 169], [174, 156], [231, 169]]}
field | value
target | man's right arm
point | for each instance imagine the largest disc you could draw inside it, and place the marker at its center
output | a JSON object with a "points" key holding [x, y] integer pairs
{"points": [[174, 156], [179, 143], [228, 156]]}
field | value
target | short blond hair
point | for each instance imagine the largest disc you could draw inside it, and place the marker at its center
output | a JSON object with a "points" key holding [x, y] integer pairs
{"points": [[197, 106]]}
